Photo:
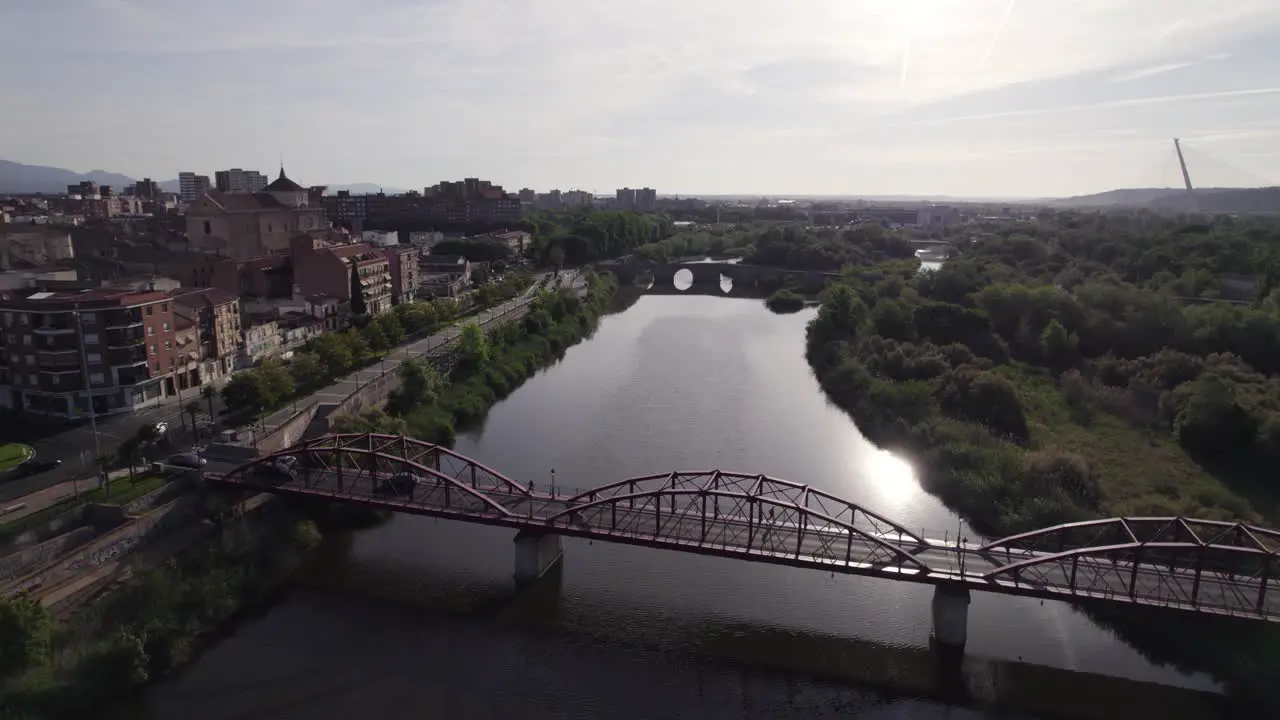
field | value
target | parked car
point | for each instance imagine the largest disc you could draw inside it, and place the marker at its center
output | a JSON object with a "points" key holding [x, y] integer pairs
{"points": [[188, 460]]}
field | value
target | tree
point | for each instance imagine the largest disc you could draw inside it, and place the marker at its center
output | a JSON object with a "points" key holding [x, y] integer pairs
{"points": [[277, 382], [1059, 347], [208, 393], [307, 370], [555, 256], [193, 408], [246, 393], [357, 290], [473, 349], [419, 385], [24, 635]]}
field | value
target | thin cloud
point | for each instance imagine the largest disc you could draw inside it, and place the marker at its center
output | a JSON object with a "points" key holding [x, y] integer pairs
{"points": [[1130, 102], [1153, 71]]}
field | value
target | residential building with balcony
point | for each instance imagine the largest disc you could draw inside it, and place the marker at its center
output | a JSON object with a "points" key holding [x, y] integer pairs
{"points": [[215, 314], [65, 351], [261, 341], [324, 269], [402, 262]]}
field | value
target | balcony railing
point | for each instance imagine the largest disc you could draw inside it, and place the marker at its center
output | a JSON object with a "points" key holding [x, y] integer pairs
{"points": [[58, 359], [54, 328], [126, 319], [125, 337], [122, 357]]}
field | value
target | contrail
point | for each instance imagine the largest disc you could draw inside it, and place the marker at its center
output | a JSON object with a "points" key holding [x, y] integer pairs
{"points": [[995, 37]]}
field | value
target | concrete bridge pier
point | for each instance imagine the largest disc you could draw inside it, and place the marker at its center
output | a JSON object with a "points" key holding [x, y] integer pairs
{"points": [[950, 616], [536, 553]]}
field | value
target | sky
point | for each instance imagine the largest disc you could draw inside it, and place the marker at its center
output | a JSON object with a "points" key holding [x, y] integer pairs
{"points": [[999, 98]]}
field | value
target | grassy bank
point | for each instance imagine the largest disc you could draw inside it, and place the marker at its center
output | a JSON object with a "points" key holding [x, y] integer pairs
{"points": [[435, 408], [1024, 406], [14, 454]]}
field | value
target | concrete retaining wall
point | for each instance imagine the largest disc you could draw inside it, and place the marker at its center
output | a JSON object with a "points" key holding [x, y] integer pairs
{"points": [[109, 546], [289, 432], [31, 558], [41, 533]]}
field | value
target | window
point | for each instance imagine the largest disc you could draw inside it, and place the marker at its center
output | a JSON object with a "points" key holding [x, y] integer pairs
{"points": [[33, 380], [166, 327], [151, 310], [208, 229], [153, 349], [88, 318], [91, 338], [31, 359], [96, 378], [24, 318], [8, 318], [164, 307], [151, 330], [93, 357], [26, 339], [56, 379], [168, 345]]}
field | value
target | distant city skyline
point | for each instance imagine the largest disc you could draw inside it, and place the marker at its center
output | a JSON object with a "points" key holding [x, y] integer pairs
{"points": [[974, 98]]}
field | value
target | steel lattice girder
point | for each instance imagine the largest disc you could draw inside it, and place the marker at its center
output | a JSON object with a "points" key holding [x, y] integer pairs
{"points": [[763, 487], [733, 519]]}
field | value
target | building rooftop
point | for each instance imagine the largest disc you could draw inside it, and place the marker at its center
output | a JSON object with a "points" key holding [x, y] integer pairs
{"points": [[241, 201], [204, 297], [70, 299], [442, 260], [284, 184]]}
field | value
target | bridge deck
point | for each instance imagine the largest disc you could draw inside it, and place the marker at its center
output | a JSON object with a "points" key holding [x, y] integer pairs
{"points": [[706, 524]]}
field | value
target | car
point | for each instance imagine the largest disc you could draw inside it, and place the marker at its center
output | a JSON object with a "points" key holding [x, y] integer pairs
{"points": [[37, 465], [188, 460], [401, 483]]}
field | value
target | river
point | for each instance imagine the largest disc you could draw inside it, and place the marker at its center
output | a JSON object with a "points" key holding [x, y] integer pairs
{"points": [[417, 617]]}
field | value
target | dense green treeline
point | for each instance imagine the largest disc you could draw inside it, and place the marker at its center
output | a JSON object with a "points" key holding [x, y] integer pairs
{"points": [[1028, 399], [149, 629], [432, 407], [333, 355]]}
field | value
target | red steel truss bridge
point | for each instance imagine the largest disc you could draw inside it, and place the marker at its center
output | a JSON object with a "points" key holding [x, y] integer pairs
{"points": [[1202, 566]]}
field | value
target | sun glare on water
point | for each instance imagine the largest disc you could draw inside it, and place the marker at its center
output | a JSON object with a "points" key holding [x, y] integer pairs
{"points": [[892, 477]]}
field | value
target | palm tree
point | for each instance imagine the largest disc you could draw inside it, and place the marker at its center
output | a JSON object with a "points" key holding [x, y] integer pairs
{"points": [[207, 392], [193, 408]]}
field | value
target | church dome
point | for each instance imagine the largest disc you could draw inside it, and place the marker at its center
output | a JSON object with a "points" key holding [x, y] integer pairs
{"points": [[284, 184]]}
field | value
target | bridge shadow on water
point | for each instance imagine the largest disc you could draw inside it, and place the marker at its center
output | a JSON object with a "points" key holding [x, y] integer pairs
{"points": [[884, 672]]}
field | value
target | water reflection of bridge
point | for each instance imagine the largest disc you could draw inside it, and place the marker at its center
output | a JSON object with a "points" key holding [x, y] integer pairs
{"points": [[714, 278]]}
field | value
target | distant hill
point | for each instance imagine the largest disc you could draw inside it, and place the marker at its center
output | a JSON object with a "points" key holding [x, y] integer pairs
{"points": [[19, 178], [1207, 200]]}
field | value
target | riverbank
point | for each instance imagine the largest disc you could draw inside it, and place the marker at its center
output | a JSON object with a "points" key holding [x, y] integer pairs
{"points": [[1015, 430]]}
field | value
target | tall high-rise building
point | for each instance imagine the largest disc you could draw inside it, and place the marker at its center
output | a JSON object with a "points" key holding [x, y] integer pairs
{"points": [[237, 180], [191, 186], [625, 199], [646, 199]]}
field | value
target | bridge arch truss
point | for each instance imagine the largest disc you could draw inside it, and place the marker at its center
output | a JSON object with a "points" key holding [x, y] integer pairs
{"points": [[367, 467], [1219, 566], [745, 513]]}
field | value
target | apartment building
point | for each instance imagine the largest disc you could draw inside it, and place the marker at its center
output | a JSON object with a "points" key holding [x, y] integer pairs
{"points": [[60, 351], [402, 263], [325, 270], [191, 186], [215, 314], [238, 180]]}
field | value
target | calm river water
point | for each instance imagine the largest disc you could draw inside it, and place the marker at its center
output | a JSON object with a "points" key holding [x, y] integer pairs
{"points": [[417, 618]]}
